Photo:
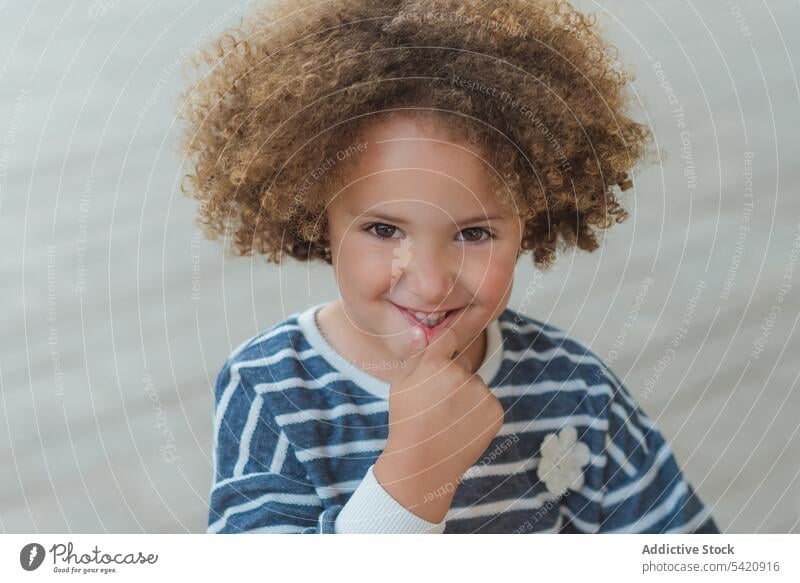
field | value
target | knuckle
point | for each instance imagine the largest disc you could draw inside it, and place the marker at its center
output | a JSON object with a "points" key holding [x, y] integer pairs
{"points": [[495, 412]]}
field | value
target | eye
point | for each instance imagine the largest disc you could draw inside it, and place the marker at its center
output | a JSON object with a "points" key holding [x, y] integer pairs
{"points": [[473, 234], [383, 231]]}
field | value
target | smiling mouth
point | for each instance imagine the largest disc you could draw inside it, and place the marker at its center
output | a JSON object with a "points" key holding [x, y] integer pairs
{"points": [[429, 325]]}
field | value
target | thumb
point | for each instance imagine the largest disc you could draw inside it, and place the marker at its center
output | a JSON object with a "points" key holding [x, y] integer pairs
{"points": [[418, 340], [442, 348], [415, 349]]}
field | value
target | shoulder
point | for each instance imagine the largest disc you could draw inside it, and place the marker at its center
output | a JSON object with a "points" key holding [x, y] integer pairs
{"points": [[544, 360], [549, 375], [585, 385], [272, 355], [551, 348]]}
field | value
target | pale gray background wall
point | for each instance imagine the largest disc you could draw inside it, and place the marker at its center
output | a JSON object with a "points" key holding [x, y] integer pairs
{"points": [[116, 316]]}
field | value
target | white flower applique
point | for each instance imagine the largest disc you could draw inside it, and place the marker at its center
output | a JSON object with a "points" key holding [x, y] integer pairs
{"points": [[563, 458]]}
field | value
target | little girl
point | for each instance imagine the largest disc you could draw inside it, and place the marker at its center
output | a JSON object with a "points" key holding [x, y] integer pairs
{"points": [[420, 148]]}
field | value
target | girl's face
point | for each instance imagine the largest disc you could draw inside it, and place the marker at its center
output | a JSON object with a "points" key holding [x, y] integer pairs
{"points": [[417, 229]]}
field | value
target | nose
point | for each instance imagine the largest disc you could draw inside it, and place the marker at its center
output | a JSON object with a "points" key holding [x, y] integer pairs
{"points": [[430, 273]]}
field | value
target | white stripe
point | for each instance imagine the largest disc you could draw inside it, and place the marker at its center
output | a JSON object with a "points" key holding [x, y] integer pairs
{"points": [[598, 461], [588, 354], [265, 336], [621, 494], [554, 423], [280, 498], [549, 386], [325, 514], [581, 525], [247, 435], [558, 335], [501, 506], [311, 453], [618, 456], [555, 528], [520, 356], [622, 392], [593, 496], [474, 472], [382, 406], [325, 492], [222, 406], [227, 393], [528, 327], [551, 333], [507, 469], [333, 413], [645, 420], [511, 468], [227, 481], [297, 383], [658, 514], [279, 457], [630, 426], [277, 529]]}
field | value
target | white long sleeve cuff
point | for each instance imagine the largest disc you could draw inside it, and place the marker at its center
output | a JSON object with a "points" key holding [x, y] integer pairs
{"points": [[372, 510]]}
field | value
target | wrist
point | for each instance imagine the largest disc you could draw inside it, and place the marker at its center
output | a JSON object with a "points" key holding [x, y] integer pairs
{"points": [[428, 492]]}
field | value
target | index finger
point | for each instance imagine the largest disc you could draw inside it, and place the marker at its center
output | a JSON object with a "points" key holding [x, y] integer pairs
{"points": [[443, 345]]}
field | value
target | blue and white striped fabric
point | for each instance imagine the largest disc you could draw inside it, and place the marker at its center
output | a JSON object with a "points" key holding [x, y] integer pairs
{"points": [[296, 427]]}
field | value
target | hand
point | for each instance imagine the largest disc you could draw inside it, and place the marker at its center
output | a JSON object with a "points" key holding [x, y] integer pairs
{"points": [[441, 419]]}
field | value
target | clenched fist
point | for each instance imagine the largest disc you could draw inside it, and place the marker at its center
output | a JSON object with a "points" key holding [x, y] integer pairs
{"points": [[442, 418]]}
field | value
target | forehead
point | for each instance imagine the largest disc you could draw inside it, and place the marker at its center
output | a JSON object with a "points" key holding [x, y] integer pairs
{"points": [[412, 165]]}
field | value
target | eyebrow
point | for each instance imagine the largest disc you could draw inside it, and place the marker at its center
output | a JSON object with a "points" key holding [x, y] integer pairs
{"points": [[469, 221]]}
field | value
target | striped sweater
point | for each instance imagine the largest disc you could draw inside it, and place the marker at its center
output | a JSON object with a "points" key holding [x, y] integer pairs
{"points": [[297, 429]]}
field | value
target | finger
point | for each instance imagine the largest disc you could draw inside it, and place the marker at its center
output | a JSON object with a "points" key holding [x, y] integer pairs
{"points": [[443, 346], [416, 343]]}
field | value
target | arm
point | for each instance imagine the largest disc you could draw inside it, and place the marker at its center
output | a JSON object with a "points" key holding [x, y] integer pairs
{"points": [[260, 486], [372, 510], [418, 459], [645, 490]]}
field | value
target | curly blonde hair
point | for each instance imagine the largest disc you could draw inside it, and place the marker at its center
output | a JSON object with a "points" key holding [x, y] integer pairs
{"points": [[530, 82]]}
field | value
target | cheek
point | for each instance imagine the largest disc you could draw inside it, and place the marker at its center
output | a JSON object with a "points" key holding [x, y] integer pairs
{"points": [[361, 268], [490, 278]]}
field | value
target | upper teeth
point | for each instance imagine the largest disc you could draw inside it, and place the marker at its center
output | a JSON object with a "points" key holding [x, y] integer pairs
{"points": [[432, 318]]}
